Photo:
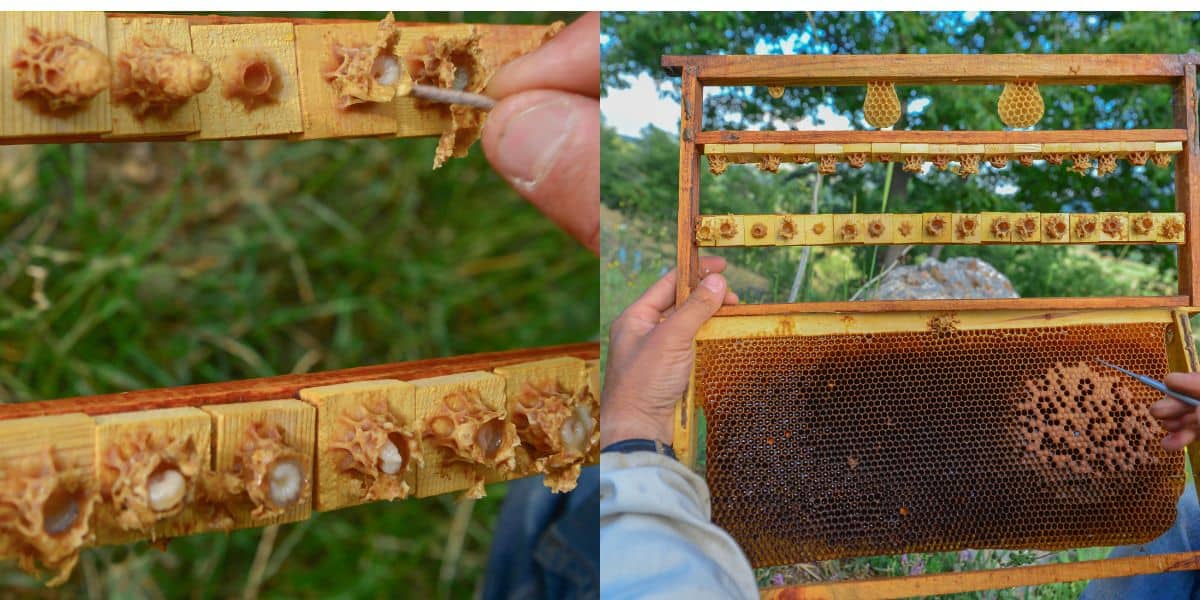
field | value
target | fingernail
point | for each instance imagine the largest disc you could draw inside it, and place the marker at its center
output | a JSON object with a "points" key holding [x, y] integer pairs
{"points": [[531, 139], [714, 284]]}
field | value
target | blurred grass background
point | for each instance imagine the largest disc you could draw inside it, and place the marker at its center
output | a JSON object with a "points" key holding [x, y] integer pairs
{"points": [[128, 266]]}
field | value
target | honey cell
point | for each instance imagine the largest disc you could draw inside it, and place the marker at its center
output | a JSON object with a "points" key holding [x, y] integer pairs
{"points": [[995, 438]]}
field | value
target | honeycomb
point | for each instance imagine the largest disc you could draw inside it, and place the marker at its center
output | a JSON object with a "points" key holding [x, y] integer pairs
{"points": [[776, 91], [876, 228], [1026, 160], [472, 434], [1160, 159], [848, 231], [717, 164], [1001, 227], [272, 474], [881, 107], [1085, 226], [59, 71], [828, 165], [857, 160], [728, 228], [935, 225], [1143, 224], [45, 513], [769, 164], [1020, 104], [1138, 157], [1056, 227], [966, 227], [758, 231], [913, 163], [154, 78], [788, 229], [1026, 227], [830, 446], [1106, 163], [968, 164], [1113, 226], [941, 161], [1081, 163], [1171, 228], [376, 448], [998, 161], [365, 72], [249, 76], [1054, 158]]}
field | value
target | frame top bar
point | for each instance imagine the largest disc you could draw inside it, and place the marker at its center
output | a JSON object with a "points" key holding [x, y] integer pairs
{"points": [[910, 69]]}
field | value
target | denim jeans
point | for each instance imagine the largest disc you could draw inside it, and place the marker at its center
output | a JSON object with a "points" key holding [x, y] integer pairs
{"points": [[547, 545], [1183, 536]]}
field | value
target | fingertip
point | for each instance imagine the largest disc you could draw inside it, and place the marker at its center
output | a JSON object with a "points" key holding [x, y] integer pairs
{"points": [[712, 264], [545, 144], [1188, 383], [715, 283]]}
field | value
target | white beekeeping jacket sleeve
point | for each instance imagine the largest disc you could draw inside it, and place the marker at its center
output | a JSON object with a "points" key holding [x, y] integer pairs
{"points": [[657, 538]]}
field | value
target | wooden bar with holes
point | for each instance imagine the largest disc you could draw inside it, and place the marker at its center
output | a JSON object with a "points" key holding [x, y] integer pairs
{"points": [[193, 77], [771, 379]]}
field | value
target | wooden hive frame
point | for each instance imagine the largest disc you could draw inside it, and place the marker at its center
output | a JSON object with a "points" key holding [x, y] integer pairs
{"points": [[1177, 71]]}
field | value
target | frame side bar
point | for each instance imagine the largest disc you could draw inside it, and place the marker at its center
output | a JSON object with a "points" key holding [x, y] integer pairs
{"points": [[691, 120], [1187, 184], [910, 69]]}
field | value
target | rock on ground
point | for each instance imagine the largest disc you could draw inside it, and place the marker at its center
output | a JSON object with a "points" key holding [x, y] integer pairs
{"points": [[960, 277]]}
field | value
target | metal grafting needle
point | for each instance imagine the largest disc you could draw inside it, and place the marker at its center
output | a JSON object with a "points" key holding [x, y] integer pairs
{"points": [[449, 96], [1154, 383]]}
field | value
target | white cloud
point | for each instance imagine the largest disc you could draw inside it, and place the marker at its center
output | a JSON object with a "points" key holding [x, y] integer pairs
{"points": [[631, 109]]}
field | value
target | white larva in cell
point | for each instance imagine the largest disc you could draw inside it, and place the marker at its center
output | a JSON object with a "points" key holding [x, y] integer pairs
{"points": [[577, 430], [386, 70], [390, 459], [165, 489], [286, 481]]}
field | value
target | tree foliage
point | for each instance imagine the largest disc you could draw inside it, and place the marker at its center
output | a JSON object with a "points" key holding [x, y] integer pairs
{"points": [[633, 44]]}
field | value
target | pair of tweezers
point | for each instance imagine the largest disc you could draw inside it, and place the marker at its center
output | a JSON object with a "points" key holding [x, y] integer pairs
{"points": [[1154, 383]]}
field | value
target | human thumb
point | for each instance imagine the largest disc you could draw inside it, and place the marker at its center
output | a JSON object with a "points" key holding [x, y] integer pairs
{"points": [[679, 329], [546, 144]]}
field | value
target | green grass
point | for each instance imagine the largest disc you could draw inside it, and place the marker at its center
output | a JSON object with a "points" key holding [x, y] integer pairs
{"points": [[129, 266]]}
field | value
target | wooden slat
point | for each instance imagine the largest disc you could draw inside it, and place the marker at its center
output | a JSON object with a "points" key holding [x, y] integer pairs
{"points": [[287, 386], [911, 69], [833, 226], [500, 44], [946, 583], [225, 118], [23, 118], [942, 137], [691, 121], [1187, 184], [948, 305], [182, 120], [321, 117]]}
